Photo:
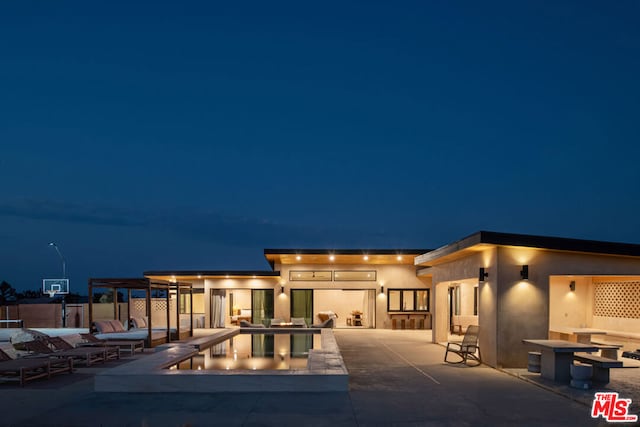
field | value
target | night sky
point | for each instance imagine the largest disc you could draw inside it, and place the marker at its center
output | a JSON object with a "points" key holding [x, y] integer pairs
{"points": [[187, 135]]}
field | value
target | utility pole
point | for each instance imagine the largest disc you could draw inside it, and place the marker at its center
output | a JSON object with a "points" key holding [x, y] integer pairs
{"points": [[64, 276]]}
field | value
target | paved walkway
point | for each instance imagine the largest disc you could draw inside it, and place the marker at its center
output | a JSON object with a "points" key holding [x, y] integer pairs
{"points": [[397, 378]]}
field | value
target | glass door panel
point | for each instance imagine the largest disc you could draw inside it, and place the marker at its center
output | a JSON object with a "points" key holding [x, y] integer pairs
{"points": [[262, 306]]}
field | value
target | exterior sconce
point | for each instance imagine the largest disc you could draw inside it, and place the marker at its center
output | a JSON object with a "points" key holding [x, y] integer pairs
{"points": [[524, 273], [382, 289], [282, 289], [572, 286], [482, 275]]}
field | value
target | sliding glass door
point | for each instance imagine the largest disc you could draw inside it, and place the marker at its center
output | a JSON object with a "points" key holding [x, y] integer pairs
{"points": [[302, 304], [262, 306]]}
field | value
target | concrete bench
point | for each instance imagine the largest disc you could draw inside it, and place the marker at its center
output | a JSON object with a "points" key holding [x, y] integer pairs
{"points": [[601, 365], [609, 351]]}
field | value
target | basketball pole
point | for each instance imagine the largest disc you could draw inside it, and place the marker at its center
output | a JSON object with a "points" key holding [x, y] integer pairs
{"points": [[64, 276]]}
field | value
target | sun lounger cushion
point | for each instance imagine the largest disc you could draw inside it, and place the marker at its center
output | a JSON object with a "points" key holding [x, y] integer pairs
{"points": [[139, 322], [117, 326], [9, 350], [103, 326]]}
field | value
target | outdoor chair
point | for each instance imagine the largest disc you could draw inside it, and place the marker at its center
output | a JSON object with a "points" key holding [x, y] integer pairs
{"points": [[24, 370], [87, 355], [298, 322], [275, 321], [467, 348], [110, 352], [247, 324]]}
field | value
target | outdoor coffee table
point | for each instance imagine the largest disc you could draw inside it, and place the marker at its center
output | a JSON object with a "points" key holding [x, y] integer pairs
{"points": [[557, 357]]}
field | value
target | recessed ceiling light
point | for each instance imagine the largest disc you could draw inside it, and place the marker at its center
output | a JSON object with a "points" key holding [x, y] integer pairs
{"points": [[227, 276], [298, 258], [399, 258], [254, 276], [199, 276], [366, 258], [331, 258]]}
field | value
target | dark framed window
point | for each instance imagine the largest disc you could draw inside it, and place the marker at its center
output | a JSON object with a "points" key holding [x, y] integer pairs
{"points": [[475, 301], [409, 300], [310, 275], [359, 275]]}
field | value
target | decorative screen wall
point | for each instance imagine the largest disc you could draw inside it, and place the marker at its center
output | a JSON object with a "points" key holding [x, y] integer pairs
{"points": [[617, 299]]}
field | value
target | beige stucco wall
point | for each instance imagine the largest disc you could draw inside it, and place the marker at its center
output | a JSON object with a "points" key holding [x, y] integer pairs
{"points": [[390, 276], [465, 270], [570, 308], [511, 309], [526, 314]]}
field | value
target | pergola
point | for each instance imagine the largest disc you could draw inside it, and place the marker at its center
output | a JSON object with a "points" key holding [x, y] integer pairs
{"points": [[148, 286]]}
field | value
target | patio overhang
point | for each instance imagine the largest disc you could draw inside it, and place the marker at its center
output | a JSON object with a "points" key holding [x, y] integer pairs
{"points": [[483, 240], [191, 275], [343, 256]]}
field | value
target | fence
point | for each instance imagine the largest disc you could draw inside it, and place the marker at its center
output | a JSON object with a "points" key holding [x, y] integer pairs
{"points": [[44, 315]]}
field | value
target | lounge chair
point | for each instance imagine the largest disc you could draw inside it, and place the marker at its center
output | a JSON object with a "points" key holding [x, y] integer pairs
{"points": [[467, 348], [87, 355], [247, 324], [130, 346], [275, 321], [24, 370], [110, 352], [298, 322]]}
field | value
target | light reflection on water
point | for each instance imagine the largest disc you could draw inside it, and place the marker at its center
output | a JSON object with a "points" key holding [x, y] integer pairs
{"points": [[256, 352]]}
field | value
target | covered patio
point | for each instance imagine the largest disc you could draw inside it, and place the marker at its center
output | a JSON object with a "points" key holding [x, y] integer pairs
{"points": [[162, 308]]}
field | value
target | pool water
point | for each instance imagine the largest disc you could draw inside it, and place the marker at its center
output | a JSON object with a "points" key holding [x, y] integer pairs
{"points": [[255, 352]]}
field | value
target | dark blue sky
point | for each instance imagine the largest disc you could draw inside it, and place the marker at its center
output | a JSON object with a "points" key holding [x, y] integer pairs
{"points": [[186, 135]]}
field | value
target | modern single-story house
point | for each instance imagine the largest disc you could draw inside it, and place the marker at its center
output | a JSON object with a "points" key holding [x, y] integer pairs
{"points": [[513, 286]]}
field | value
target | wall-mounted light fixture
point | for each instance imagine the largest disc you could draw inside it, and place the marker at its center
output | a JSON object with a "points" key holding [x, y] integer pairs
{"points": [[282, 289], [572, 286], [524, 273], [381, 289], [482, 275]]}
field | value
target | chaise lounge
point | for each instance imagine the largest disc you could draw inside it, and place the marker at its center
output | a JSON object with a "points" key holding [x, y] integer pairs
{"points": [[23, 370]]}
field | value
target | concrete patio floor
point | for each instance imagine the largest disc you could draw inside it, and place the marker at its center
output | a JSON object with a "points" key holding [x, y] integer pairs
{"points": [[397, 378]]}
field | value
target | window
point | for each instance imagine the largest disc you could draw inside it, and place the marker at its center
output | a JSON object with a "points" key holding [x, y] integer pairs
{"points": [[475, 301], [345, 275], [408, 300], [312, 276]]}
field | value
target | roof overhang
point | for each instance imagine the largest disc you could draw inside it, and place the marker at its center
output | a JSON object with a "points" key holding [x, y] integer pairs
{"points": [[343, 256], [182, 275], [483, 240]]}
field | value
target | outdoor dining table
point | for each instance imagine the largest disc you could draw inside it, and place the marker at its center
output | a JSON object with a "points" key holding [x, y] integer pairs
{"points": [[557, 357], [583, 335]]}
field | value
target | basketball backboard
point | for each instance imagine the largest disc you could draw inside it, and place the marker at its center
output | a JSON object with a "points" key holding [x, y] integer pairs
{"points": [[55, 286]]}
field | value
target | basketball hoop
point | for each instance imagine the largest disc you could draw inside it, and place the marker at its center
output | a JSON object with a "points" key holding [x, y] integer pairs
{"points": [[52, 293]]}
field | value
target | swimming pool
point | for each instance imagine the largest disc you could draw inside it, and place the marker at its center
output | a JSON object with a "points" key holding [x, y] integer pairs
{"points": [[274, 351], [323, 369]]}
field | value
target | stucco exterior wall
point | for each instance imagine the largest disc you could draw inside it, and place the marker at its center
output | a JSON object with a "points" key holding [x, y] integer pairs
{"points": [[524, 306], [466, 269], [390, 276], [511, 309]]}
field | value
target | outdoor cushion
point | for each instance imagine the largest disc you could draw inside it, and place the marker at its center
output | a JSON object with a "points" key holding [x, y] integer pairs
{"points": [[117, 326], [103, 326]]}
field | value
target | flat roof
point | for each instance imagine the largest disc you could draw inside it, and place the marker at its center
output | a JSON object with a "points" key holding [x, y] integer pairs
{"points": [[211, 274], [484, 239], [342, 256]]}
